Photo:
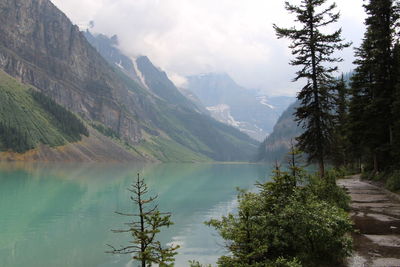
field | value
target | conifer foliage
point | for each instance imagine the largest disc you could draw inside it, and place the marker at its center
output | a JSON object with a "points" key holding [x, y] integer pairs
{"points": [[373, 87], [64, 119], [144, 229], [313, 51], [288, 225], [13, 138]]}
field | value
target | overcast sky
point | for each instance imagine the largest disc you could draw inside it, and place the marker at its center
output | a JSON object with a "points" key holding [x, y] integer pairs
{"points": [[187, 37]]}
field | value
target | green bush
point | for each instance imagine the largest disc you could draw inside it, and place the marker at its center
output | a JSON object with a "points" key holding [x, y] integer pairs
{"points": [[282, 262], [393, 181], [194, 263], [340, 173], [327, 190], [285, 221], [367, 175]]}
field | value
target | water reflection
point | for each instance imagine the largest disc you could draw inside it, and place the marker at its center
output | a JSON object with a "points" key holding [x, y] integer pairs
{"points": [[60, 215]]}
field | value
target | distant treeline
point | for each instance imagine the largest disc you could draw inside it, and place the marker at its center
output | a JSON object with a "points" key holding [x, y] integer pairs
{"points": [[106, 130], [16, 139], [65, 120], [20, 133]]}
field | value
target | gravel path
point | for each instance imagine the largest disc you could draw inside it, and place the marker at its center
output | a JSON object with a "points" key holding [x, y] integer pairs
{"points": [[376, 215]]}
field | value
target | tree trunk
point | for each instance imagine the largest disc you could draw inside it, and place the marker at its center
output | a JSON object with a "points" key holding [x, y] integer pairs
{"points": [[321, 167], [142, 245], [317, 112], [376, 165]]}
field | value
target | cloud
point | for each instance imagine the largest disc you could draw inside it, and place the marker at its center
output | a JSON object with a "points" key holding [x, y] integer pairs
{"points": [[190, 37]]}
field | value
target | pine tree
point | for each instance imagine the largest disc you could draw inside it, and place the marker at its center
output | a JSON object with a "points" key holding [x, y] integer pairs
{"points": [[373, 86], [396, 105], [341, 144], [313, 51], [294, 160], [145, 247]]}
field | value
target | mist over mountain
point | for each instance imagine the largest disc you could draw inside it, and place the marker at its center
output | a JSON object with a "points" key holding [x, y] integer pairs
{"points": [[132, 103], [253, 113]]}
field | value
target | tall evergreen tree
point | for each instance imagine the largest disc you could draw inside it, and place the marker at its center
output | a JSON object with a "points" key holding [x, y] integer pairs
{"points": [[313, 51], [396, 105], [359, 118], [340, 145], [373, 86]]}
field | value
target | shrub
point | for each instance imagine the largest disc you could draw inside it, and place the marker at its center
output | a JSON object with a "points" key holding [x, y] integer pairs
{"points": [[327, 190], [340, 173], [194, 263], [285, 221], [393, 181], [282, 262]]}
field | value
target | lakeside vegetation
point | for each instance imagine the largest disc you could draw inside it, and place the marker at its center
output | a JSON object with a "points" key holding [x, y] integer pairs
{"points": [[300, 219], [353, 121], [372, 127], [288, 224], [296, 219]]}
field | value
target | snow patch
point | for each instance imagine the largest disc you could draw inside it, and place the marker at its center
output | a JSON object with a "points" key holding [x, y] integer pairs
{"points": [[119, 65], [264, 101], [222, 113], [139, 73]]}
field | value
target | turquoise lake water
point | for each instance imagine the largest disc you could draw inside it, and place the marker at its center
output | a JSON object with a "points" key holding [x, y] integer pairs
{"points": [[61, 215]]}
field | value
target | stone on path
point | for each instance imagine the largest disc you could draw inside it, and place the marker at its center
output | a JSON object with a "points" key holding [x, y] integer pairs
{"points": [[376, 216]]}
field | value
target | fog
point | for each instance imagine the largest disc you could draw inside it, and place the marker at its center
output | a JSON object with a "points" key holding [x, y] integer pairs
{"points": [[199, 36]]}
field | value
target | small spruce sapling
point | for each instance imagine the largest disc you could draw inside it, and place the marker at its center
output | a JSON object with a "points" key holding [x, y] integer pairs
{"points": [[144, 228]]}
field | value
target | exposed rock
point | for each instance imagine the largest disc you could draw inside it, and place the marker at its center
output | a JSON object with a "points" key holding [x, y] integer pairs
{"points": [[377, 218], [39, 46]]}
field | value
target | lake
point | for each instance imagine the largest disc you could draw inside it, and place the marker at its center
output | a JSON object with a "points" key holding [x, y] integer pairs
{"points": [[62, 214]]}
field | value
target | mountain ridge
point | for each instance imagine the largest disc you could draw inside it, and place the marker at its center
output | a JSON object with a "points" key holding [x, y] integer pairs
{"points": [[276, 146], [235, 105], [40, 46]]}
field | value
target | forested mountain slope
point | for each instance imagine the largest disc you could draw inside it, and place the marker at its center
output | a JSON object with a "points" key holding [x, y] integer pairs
{"points": [[37, 129], [41, 47], [278, 143]]}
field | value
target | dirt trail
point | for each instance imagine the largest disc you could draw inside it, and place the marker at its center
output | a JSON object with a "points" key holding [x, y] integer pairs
{"points": [[376, 214]]}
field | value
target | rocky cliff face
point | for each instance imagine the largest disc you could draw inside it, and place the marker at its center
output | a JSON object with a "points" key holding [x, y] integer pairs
{"points": [[108, 48], [140, 69], [40, 46]]}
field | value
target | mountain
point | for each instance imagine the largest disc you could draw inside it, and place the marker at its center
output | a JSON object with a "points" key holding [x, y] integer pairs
{"points": [[39, 46], [277, 144], [107, 47], [234, 105], [29, 120], [156, 82], [140, 69]]}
